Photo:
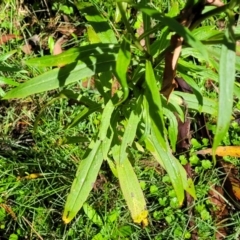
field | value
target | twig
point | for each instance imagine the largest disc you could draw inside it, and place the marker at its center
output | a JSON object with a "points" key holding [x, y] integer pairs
{"points": [[32, 228]]}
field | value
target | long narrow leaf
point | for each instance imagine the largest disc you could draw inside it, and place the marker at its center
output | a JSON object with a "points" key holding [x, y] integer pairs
{"points": [[123, 61], [83, 183], [64, 76], [195, 88], [106, 117], [155, 105], [130, 130], [73, 55], [180, 98], [173, 128], [97, 21], [226, 85], [177, 27], [132, 192], [169, 163], [88, 169]]}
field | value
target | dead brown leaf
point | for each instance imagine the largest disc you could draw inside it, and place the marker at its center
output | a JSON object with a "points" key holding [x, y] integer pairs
{"points": [[216, 3], [169, 83], [115, 86], [9, 210], [89, 83], [220, 211], [27, 49], [232, 173], [7, 37], [233, 151], [30, 44], [140, 31], [58, 46], [184, 135]]}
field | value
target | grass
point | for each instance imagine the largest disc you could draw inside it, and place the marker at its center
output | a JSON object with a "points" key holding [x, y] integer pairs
{"points": [[37, 203], [37, 171]]}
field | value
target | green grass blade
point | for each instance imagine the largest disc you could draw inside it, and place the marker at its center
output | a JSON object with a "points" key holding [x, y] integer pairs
{"points": [[64, 76], [73, 55], [226, 86], [130, 130], [72, 140], [7, 55], [97, 21], [83, 115], [132, 192]]}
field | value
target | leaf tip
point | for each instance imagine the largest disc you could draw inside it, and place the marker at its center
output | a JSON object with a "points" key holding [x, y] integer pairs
{"points": [[66, 219], [141, 218]]}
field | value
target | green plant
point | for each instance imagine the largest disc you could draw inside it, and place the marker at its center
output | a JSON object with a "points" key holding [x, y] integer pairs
{"points": [[134, 110]]}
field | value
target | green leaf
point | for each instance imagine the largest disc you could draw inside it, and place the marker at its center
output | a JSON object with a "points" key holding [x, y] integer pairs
{"points": [[174, 104], [226, 85], [172, 128], [155, 105], [92, 35], [106, 117], [73, 55], [130, 130], [64, 76], [97, 21], [109, 137], [83, 183], [132, 192], [177, 27], [88, 169], [196, 90], [205, 32], [80, 99], [8, 81], [190, 100], [160, 44], [169, 163], [201, 71], [92, 214], [123, 61], [118, 15], [146, 120]]}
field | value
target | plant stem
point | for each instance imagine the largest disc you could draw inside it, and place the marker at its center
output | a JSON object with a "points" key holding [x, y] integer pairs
{"points": [[208, 14], [129, 29]]}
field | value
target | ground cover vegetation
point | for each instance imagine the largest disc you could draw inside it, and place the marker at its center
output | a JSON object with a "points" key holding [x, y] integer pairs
{"points": [[119, 119]]}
